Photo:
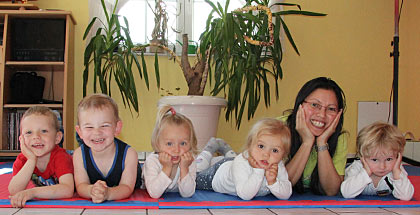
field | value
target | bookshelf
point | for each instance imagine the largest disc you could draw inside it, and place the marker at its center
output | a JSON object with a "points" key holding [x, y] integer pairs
{"points": [[58, 74]]}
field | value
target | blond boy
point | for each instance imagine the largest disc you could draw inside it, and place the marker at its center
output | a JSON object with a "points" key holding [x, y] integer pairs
{"points": [[105, 168], [41, 160], [379, 170]]}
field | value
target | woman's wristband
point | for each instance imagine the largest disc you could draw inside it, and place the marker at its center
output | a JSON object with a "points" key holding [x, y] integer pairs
{"points": [[321, 148]]}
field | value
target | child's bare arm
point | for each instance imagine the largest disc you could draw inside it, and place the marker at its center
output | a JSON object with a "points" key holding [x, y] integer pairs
{"points": [[128, 178], [64, 189], [81, 179], [21, 179]]}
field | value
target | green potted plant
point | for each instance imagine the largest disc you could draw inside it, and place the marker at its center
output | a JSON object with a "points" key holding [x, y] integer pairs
{"points": [[111, 52], [238, 53]]}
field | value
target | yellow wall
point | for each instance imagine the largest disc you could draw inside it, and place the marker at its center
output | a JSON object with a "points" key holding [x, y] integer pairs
{"points": [[351, 45], [410, 69]]}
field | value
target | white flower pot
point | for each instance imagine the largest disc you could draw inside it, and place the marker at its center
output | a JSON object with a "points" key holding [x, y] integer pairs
{"points": [[203, 111]]}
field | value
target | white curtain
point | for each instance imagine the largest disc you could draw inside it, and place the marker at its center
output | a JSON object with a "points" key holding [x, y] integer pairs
{"points": [[276, 8], [95, 10]]}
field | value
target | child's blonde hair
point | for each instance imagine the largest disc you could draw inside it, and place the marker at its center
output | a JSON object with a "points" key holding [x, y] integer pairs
{"points": [[379, 135], [98, 101], [168, 115], [44, 111], [270, 126]]}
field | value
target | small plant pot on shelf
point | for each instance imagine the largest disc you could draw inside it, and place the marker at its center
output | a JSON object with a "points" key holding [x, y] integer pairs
{"points": [[156, 49], [203, 111]]}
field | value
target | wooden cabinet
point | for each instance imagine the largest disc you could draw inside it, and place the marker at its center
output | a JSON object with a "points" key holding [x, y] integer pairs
{"points": [[58, 72]]}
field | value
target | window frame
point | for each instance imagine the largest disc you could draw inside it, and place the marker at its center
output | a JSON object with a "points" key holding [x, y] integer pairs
{"points": [[184, 21]]}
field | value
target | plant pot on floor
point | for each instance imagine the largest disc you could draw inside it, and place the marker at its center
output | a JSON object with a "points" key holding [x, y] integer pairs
{"points": [[203, 111]]}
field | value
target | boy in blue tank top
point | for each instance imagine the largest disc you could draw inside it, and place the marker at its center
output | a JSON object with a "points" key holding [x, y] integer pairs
{"points": [[105, 167]]}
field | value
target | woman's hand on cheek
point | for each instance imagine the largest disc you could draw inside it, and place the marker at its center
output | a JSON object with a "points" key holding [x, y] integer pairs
{"points": [[323, 138], [302, 128]]}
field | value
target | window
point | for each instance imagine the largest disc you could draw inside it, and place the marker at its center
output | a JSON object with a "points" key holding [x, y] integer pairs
{"points": [[185, 16]]}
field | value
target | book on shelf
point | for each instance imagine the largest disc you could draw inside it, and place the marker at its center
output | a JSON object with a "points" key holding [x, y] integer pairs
{"points": [[13, 118]]}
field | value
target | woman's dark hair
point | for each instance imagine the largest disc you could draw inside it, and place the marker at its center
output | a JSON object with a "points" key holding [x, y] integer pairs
{"points": [[296, 141]]}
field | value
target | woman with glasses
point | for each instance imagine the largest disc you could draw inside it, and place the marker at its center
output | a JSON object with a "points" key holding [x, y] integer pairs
{"points": [[318, 146]]}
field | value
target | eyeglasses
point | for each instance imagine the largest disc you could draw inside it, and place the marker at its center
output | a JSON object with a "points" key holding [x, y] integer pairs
{"points": [[331, 110]]}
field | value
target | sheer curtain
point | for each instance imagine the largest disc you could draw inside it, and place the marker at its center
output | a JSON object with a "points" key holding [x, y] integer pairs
{"points": [[95, 10]]}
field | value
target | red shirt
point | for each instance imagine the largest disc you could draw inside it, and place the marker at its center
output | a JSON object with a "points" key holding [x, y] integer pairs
{"points": [[60, 164]]}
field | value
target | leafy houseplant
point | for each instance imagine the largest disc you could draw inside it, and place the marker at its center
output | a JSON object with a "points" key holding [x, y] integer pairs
{"points": [[110, 51], [239, 52]]}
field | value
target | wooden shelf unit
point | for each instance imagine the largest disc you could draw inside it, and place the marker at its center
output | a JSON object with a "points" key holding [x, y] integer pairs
{"points": [[59, 75]]}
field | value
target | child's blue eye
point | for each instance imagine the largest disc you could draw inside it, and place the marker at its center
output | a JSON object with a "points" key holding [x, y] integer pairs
{"points": [[389, 159], [260, 146], [44, 131], [28, 132], [183, 143], [374, 159], [169, 144], [275, 150]]}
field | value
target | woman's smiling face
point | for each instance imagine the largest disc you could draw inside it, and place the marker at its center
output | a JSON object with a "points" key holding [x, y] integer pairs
{"points": [[320, 109]]}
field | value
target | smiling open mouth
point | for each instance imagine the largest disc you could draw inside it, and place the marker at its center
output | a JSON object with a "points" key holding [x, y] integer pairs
{"points": [[98, 141], [38, 145], [264, 162], [317, 124]]}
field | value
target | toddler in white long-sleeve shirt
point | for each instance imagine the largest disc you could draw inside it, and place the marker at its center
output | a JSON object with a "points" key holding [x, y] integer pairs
{"points": [[171, 168], [258, 171], [379, 170]]}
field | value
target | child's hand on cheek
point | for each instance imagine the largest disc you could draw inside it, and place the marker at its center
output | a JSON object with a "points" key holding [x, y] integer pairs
{"points": [[186, 160], [25, 149], [165, 159], [99, 192], [253, 162], [271, 174], [166, 162], [366, 166], [396, 171]]}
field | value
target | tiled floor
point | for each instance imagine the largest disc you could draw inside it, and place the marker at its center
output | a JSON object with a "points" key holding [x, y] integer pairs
{"points": [[293, 211]]}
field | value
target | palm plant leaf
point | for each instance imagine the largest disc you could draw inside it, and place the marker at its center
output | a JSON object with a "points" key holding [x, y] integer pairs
{"points": [[110, 53], [239, 67]]}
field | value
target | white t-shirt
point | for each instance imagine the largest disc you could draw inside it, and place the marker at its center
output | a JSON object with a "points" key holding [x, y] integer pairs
{"points": [[238, 178], [357, 181]]}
